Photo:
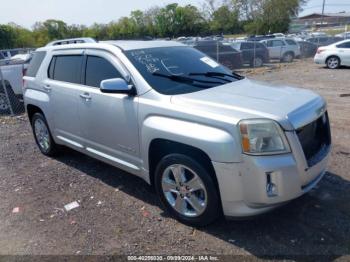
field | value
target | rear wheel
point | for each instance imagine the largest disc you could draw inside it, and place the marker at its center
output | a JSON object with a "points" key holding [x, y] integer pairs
{"points": [[4, 105], [42, 135], [187, 190], [333, 62], [288, 57], [257, 62]]}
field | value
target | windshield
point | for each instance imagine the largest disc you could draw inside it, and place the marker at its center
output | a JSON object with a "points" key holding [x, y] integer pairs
{"points": [[175, 70]]}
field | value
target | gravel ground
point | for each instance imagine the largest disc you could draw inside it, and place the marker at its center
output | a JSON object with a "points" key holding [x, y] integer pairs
{"points": [[120, 214]]}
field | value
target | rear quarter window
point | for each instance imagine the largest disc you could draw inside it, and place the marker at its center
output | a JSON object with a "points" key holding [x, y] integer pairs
{"points": [[291, 42], [35, 63]]}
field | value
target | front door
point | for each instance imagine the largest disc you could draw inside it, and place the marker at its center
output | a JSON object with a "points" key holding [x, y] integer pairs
{"points": [[109, 121]]}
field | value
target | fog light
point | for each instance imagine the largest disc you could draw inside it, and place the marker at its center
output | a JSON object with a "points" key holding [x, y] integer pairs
{"points": [[271, 188]]}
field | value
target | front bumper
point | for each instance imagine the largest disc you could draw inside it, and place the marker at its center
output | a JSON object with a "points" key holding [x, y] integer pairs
{"points": [[243, 186]]}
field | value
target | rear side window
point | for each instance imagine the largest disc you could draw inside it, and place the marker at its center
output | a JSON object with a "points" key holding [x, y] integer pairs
{"points": [[277, 43], [67, 68], [344, 45], [290, 42], [98, 69], [35, 63]]}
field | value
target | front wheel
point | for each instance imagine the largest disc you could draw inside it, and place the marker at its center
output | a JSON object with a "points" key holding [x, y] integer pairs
{"points": [[257, 62], [187, 190]]}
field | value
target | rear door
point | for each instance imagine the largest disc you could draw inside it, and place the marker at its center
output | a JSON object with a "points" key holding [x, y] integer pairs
{"points": [[109, 121], [276, 48], [247, 52], [63, 88]]}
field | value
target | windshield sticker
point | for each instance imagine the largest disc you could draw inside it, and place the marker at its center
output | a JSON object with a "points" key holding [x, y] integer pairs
{"points": [[209, 62]]}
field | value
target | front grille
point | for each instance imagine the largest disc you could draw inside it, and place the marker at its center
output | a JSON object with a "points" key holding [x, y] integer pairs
{"points": [[315, 139]]}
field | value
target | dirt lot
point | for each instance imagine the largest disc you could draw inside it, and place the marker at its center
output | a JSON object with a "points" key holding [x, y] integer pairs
{"points": [[120, 214]]}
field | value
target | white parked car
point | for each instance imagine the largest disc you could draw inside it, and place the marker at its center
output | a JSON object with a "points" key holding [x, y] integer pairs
{"points": [[345, 35], [334, 55]]}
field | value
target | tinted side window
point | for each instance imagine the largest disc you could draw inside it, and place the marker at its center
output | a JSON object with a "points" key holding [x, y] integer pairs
{"points": [[35, 63], [98, 69], [290, 42], [247, 45], [344, 45], [277, 43], [68, 68]]}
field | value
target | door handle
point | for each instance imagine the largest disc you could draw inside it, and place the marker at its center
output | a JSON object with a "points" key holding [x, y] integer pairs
{"points": [[47, 88], [86, 96]]}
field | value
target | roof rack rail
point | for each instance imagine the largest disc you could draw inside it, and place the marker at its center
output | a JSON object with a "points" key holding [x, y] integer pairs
{"points": [[80, 40]]}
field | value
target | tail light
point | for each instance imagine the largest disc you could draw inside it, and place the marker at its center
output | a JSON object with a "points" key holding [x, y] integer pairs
{"points": [[24, 72], [320, 50]]}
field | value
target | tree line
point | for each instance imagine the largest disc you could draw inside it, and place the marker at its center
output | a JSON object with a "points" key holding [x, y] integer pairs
{"points": [[173, 20]]}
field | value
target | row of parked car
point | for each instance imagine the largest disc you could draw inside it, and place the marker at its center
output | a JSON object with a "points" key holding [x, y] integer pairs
{"points": [[256, 51]]}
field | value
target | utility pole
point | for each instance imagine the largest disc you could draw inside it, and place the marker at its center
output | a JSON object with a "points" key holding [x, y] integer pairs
{"points": [[323, 5]]}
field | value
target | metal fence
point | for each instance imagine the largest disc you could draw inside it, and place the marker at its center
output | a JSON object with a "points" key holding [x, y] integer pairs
{"points": [[10, 103]]}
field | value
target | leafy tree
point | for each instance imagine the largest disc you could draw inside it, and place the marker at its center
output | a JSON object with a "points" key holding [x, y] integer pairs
{"points": [[225, 20], [7, 36], [172, 20]]}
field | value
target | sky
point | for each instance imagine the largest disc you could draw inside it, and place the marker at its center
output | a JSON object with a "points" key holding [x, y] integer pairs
{"points": [[27, 12]]}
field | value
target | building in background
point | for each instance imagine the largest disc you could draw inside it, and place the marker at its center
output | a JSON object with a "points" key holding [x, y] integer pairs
{"points": [[317, 20]]}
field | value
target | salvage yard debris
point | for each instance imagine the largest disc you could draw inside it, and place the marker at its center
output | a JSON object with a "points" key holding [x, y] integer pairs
{"points": [[71, 206]]}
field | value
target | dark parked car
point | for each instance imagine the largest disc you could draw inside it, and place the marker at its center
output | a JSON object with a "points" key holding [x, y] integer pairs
{"points": [[224, 54], [324, 40], [307, 49], [253, 53]]}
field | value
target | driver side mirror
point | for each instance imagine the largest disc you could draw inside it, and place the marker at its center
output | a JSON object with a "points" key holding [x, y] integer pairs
{"points": [[117, 86]]}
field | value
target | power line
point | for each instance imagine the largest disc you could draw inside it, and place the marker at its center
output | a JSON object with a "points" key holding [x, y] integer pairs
{"points": [[316, 6]]}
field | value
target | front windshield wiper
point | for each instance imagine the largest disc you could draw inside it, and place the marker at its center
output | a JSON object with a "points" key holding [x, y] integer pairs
{"points": [[186, 79], [213, 74]]}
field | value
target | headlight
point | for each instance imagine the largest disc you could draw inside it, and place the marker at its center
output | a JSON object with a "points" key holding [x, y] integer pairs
{"points": [[262, 137]]}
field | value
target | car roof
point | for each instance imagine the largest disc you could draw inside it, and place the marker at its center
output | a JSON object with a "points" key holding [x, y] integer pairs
{"points": [[124, 45], [132, 44]]}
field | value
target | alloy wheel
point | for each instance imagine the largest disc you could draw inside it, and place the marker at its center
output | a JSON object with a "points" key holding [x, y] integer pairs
{"points": [[333, 62], [184, 190], [42, 134]]}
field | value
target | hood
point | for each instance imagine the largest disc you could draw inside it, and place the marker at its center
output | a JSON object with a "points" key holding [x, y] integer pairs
{"points": [[291, 107]]}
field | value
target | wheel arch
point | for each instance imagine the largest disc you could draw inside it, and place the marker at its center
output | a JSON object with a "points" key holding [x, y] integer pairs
{"points": [[32, 109], [159, 148]]}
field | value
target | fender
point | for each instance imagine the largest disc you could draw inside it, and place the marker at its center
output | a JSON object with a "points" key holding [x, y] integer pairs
{"points": [[218, 144], [41, 100]]}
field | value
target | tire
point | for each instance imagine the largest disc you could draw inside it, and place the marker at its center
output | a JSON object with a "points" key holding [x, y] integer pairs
{"points": [[257, 62], [288, 57], [194, 193], [4, 105], [42, 135], [333, 62]]}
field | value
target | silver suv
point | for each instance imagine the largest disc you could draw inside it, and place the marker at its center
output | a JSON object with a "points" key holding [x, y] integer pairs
{"points": [[210, 141], [284, 49]]}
